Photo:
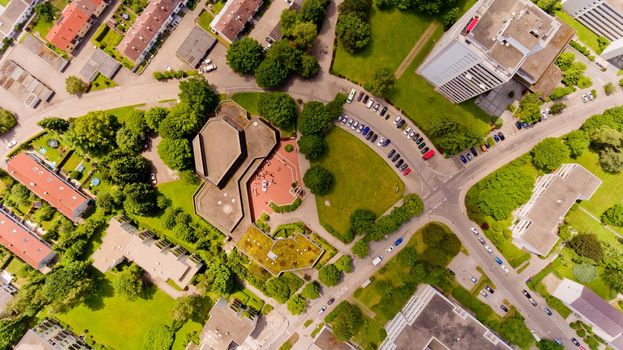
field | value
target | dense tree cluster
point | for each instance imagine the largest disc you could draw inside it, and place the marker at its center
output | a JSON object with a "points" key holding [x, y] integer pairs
{"points": [[312, 146], [560, 92], [93, 133], [311, 290], [573, 71], [345, 320], [613, 215], [279, 109], [382, 81], [549, 154], [130, 283], [547, 344], [515, 331], [176, 153], [245, 55], [605, 135], [578, 142], [441, 245], [297, 304], [329, 275], [587, 245], [452, 137], [529, 108], [159, 337]]}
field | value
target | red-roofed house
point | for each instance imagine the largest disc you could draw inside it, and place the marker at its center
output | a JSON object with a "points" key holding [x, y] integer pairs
{"points": [[148, 26], [33, 173], [74, 22], [234, 16], [24, 243]]}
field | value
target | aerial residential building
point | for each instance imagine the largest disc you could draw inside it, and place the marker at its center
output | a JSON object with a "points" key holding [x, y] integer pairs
{"points": [[234, 17], [49, 335], [159, 258], [144, 33], [13, 15], [606, 321], [23, 85], [195, 47], [226, 328], [494, 42], [36, 175], [74, 23], [23, 242], [536, 223]]}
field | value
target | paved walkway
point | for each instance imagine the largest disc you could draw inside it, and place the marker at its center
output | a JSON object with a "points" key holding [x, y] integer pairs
{"points": [[430, 30]]}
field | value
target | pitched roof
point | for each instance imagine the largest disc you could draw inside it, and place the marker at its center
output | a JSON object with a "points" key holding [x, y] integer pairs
{"points": [[146, 27], [234, 16], [72, 20], [34, 174], [23, 242]]}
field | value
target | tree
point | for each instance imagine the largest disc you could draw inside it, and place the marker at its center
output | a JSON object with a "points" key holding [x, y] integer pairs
{"points": [[360, 8], [609, 89], [278, 289], [565, 60], [159, 337], [347, 320], [413, 203], [587, 245], [353, 32], [140, 199], [613, 278], [549, 6], [574, 74], [286, 55], [223, 278], [288, 20], [176, 153], [312, 146], [93, 133], [278, 108], [188, 307], [314, 11], [318, 179], [360, 249], [244, 55], [127, 169], [546, 344], [560, 92], [557, 107], [12, 328], [154, 116], [309, 67], [606, 137], [270, 74], [311, 290], [362, 221], [382, 81], [549, 154], [515, 331], [345, 264], [602, 43], [383, 4], [611, 160], [197, 94], [75, 85], [128, 141], [450, 17], [329, 275], [315, 118], [136, 122], [613, 215], [179, 123], [45, 11], [54, 124], [67, 286], [529, 108], [7, 121], [578, 142], [303, 35], [584, 273], [130, 283], [297, 305]]}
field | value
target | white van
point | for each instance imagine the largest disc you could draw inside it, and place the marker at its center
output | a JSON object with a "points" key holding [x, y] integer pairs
{"points": [[377, 260], [351, 95]]}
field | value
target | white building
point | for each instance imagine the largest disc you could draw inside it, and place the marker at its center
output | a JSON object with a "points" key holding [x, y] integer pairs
{"points": [[495, 41]]}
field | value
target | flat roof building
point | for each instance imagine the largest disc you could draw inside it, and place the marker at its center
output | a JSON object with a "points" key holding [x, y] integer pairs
{"points": [[606, 321], [226, 328], [23, 85], [144, 33], [430, 321], [49, 335], [15, 13], [234, 17], [35, 174], [536, 222], [42, 51], [492, 43], [74, 23], [196, 45], [158, 257], [24, 243], [100, 63]]}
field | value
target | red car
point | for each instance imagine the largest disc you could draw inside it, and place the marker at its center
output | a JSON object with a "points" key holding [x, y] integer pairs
{"points": [[429, 154], [406, 172]]}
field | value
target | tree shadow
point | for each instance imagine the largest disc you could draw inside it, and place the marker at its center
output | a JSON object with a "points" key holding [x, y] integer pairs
{"points": [[103, 289]]}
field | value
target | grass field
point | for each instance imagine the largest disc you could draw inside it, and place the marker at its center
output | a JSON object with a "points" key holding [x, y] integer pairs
{"points": [[362, 180], [123, 112], [248, 298], [248, 101], [107, 40], [204, 20], [115, 322], [585, 35], [4, 3], [101, 83]]}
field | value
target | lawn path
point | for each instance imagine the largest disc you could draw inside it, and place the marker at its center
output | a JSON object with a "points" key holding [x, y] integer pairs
{"points": [[430, 30], [599, 221]]}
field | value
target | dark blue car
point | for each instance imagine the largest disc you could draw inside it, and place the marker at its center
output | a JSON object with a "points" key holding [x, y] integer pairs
{"points": [[518, 125], [498, 260], [463, 159], [496, 138], [365, 131], [398, 241]]}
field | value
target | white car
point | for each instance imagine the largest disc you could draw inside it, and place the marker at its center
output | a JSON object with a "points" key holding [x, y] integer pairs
{"points": [[411, 135], [407, 130], [474, 230], [484, 294], [590, 96], [153, 178], [322, 309], [264, 186], [473, 279], [397, 120], [355, 125], [544, 114], [504, 268], [389, 249], [584, 98], [488, 249], [370, 103], [381, 141], [11, 144], [210, 67]]}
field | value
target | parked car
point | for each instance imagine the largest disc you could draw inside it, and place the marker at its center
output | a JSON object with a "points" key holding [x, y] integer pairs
{"points": [[482, 240], [370, 103], [483, 293], [387, 142], [399, 163], [344, 119], [395, 157], [398, 241], [400, 124], [391, 153], [369, 135], [548, 311], [473, 151], [504, 268], [322, 309], [421, 145], [410, 136], [350, 122], [469, 156], [473, 279], [474, 231], [374, 137], [590, 96], [501, 136], [575, 342], [463, 159], [489, 249], [383, 111], [377, 260], [498, 260], [381, 141], [404, 167], [360, 128], [407, 130], [355, 125], [518, 125], [558, 341], [351, 95], [339, 118], [533, 302], [389, 249], [504, 308], [483, 148], [365, 98], [424, 150], [398, 118], [526, 294], [376, 107], [489, 289], [429, 154], [360, 97], [496, 138], [365, 131], [406, 172], [418, 140], [330, 301]]}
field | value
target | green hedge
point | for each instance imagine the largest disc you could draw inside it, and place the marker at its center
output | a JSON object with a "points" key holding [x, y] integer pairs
{"points": [[286, 208]]}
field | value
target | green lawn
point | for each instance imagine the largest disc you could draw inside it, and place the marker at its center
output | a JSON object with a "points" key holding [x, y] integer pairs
{"points": [[585, 35], [42, 27], [204, 20], [371, 334], [115, 322], [17, 268], [123, 112], [248, 298], [248, 100], [101, 83], [40, 145], [190, 329], [362, 180], [107, 40], [217, 6], [384, 50], [4, 3]]}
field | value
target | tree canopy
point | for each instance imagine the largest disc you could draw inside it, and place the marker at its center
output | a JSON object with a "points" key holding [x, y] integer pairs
{"points": [[360, 248], [315, 118], [529, 108], [154, 116], [93, 133], [587, 245], [124, 169], [312, 146], [314, 11], [578, 142], [547, 344], [197, 94], [549, 154], [353, 32], [245, 55], [53, 123], [278, 108], [159, 337], [345, 320], [129, 282], [297, 305], [270, 74], [515, 331], [309, 66], [128, 141], [311, 290], [381, 82], [179, 123], [176, 153], [303, 35], [7, 121], [67, 286], [140, 199], [329, 275], [362, 221], [613, 215], [319, 180], [75, 85]]}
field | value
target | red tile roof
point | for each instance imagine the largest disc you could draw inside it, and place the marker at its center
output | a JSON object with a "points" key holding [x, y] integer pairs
{"points": [[23, 243], [71, 21], [47, 185], [146, 27], [234, 16]]}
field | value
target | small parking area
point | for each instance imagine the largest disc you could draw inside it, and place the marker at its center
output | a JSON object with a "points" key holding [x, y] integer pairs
{"points": [[464, 266], [268, 24]]}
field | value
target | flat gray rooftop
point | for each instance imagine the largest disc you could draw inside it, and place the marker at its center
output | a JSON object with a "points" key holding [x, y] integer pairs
{"points": [[101, 63], [195, 46], [45, 53]]}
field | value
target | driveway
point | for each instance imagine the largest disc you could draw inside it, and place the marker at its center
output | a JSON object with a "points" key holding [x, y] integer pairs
{"points": [[162, 172], [268, 22]]}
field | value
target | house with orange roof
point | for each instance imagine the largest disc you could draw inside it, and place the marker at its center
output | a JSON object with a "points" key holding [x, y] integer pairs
{"points": [[74, 23], [37, 176]]}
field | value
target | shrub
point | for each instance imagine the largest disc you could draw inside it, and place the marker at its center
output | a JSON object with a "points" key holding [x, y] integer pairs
{"points": [[587, 245], [560, 92], [311, 290], [613, 215], [557, 107], [360, 249], [289, 148], [319, 180], [7, 121], [584, 273], [344, 264], [329, 275]]}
